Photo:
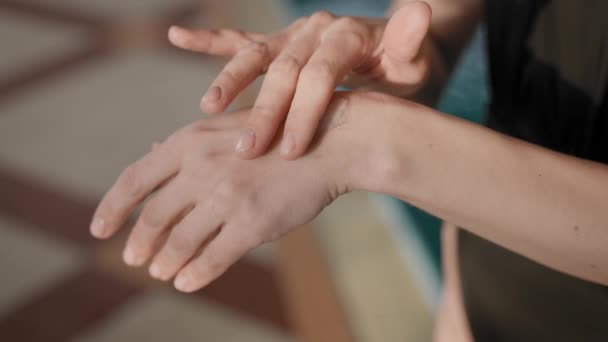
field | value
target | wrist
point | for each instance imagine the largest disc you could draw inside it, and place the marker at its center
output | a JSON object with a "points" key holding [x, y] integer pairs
{"points": [[369, 143]]}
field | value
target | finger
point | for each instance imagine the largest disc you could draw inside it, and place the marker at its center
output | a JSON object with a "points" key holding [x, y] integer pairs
{"points": [[185, 240], [278, 88], [131, 187], [222, 251], [227, 121], [212, 42], [340, 52], [406, 30], [157, 215], [244, 68]]}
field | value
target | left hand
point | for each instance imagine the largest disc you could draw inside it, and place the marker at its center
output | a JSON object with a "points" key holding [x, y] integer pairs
{"points": [[212, 206], [304, 62]]}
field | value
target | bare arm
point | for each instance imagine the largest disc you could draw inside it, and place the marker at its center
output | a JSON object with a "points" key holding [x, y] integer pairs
{"points": [[547, 206], [544, 205]]}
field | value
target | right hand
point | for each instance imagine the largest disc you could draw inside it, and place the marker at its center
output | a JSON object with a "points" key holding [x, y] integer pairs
{"points": [[204, 207], [304, 63]]}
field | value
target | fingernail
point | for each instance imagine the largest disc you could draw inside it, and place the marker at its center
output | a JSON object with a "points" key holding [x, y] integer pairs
{"points": [[181, 282], [129, 257], [174, 31], [213, 94], [246, 141], [288, 144], [154, 271], [98, 227]]}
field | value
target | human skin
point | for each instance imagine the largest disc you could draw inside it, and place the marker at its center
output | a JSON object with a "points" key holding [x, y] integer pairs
{"points": [[304, 63], [427, 165], [207, 197], [544, 205], [451, 26]]}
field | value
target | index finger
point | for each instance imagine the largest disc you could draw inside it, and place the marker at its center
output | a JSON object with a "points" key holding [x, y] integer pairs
{"points": [[131, 187], [213, 42]]}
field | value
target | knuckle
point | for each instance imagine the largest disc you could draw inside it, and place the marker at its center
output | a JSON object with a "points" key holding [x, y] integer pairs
{"points": [[237, 32], [250, 210], [353, 39], [258, 48], [226, 191], [321, 71], [213, 261], [149, 218], [187, 146], [299, 22], [322, 17], [347, 22], [285, 64], [130, 181]]}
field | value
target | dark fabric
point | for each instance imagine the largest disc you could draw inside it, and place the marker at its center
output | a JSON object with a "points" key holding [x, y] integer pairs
{"points": [[548, 62], [511, 298]]}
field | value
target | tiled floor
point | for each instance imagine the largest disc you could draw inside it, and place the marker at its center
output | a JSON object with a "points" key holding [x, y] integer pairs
{"points": [[30, 261], [77, 103], [190, 320]]}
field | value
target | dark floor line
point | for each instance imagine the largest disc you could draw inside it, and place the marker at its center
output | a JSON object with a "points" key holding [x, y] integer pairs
{"points": [[51, 13], [12, 87], [68, 308], [250, 288], [44, 207]]}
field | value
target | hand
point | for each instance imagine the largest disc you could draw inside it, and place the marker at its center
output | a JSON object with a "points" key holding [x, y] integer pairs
{"points": [[210, 207], [304, 63]]}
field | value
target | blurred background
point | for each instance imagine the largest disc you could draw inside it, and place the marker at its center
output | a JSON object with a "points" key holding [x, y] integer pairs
{"points": [[85, 88]]}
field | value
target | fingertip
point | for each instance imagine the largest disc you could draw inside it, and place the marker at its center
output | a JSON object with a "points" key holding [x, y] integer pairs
{"points": [[154, 271], [177, 35], [99, 228], [185, 283], [406, 30], [414, 9], [131, 258]]}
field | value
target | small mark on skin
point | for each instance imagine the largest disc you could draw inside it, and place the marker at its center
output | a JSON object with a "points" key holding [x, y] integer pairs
{"points": [[540, 175], [593, 266], [334, 117], [576, 228], [430, 146]]}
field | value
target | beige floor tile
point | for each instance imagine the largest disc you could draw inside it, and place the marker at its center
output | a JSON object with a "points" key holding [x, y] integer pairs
{"points": [[28, 43], [117, 8], [163, 316], [82, 129], [30, 262], [265, 16], [375, 286]]}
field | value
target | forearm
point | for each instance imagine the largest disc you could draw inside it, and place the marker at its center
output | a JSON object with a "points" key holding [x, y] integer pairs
{"points": [[547, 206]]}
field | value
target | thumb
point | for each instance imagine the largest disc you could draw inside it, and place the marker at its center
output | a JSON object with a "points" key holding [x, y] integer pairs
{"points": [[406, 30]]}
